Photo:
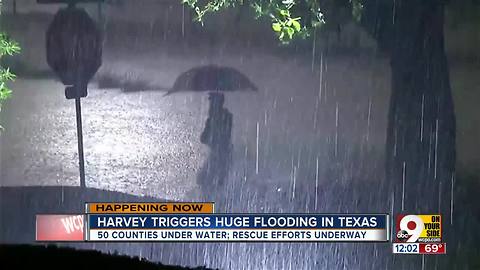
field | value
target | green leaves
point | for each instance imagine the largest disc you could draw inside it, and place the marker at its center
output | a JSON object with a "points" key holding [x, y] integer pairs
{"points": [[5, 93], [6, 75], [203, 8], [284, 12], [277, 27], [286, 28], [289, 18], [7, 47], [296, 25]]}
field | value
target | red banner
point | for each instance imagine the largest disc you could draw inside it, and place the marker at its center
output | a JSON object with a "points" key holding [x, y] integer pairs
{"points": [[432, 248], [60, 228]]}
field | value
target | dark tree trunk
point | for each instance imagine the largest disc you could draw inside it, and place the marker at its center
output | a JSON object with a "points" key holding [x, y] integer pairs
{"points": [[421, 122]]}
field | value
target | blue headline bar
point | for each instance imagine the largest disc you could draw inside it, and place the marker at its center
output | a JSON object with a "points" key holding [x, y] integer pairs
{"points": [[237, 221]]}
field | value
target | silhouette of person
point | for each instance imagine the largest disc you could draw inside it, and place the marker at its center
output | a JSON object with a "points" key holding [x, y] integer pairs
{"points": [[217, 136]]}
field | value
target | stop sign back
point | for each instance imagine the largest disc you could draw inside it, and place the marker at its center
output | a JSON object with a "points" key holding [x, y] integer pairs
{"points": [[74, 49]]}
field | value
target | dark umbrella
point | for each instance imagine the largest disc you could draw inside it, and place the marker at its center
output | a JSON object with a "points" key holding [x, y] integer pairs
{"points": [[212, 78]]}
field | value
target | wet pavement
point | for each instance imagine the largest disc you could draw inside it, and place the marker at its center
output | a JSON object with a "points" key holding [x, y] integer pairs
{"points": [[296, 147], [146, 144]]}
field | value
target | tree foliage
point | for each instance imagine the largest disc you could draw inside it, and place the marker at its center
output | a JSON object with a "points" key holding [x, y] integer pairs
{"points": [[289, 18], [7, 47]]}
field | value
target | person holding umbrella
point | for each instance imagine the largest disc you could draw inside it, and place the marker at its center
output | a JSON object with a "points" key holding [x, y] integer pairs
{"points": [[217, 136], [217, 133]]}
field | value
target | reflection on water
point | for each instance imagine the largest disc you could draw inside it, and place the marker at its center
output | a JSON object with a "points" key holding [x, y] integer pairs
{"points": [[145, 144], [132, 143]]}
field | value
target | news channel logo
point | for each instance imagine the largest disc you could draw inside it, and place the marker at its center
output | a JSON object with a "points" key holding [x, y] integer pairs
{"points": [[418, 228]]}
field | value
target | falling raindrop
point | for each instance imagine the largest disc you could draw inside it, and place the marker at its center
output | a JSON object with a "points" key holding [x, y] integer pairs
{"points": [[394, 11], [452, 193], [314, 49], [439, 195], [369, 117], [392, 207], [316, 184], [294, 188], [336, 129], [265, 118], [403, 185], [421, 120], [165, 24], [436, 149], [256, 150], [315, 114], [320, 85], [183, 21]]}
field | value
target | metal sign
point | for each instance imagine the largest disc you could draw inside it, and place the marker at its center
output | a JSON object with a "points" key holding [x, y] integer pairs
{"points": [[74, 52]]}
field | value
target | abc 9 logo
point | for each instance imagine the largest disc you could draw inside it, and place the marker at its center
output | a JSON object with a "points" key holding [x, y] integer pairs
{"points": [[411, 227]]}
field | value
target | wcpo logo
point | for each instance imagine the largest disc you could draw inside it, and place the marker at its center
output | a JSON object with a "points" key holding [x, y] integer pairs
{"points": [[59, 227], [418, 229]]}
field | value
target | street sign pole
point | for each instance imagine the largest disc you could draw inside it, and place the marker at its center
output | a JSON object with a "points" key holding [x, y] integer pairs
{"points": [[81, 160], [75, 56]]}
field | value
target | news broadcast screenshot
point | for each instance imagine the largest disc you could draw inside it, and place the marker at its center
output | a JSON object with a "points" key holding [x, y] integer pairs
{"points": [[240, 134]]}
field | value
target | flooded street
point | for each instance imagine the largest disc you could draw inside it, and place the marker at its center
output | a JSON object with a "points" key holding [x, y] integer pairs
{"points": [[148, 144], [145, 144], [128, 143]]}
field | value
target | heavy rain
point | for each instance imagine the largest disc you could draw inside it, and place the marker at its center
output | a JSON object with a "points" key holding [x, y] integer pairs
{"points": [[370, 115]]}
